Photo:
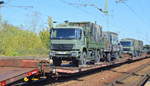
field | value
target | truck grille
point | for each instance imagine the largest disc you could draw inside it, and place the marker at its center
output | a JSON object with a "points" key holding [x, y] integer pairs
{"points": [[62, 47]]}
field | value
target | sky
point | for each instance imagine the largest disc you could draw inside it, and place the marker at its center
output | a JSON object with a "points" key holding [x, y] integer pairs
{"points": [[131, 19]]}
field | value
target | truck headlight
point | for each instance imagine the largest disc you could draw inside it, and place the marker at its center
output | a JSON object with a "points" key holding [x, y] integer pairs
{"points": [[52, 54], [74, 54]]}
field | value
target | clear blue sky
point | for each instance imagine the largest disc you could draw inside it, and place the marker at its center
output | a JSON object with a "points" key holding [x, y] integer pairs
{"points": [[132, 21]]}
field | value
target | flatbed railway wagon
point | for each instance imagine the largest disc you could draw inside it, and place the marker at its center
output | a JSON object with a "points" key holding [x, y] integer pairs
{"points": [[12, 70], [69, 70]]}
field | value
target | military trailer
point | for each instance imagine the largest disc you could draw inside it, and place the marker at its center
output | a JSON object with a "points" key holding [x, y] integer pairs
{"points": [[79, 42], [111, 46], [131, 46]]}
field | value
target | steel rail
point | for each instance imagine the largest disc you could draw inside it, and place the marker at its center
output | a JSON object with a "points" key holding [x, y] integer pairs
{"points": [[133, 73]]}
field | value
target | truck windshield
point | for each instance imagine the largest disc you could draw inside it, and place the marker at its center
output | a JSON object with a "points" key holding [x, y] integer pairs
{"points": [[63, 33], [125, 44]]}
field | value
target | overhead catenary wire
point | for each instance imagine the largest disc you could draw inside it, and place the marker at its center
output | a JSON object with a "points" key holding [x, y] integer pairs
{"points": [[103, 11], [90, 5], [131, 9], [20, 6], [139, 18], [7, 4], [78, 6]]}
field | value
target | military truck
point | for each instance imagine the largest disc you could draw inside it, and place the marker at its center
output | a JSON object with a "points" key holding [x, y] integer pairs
{"points": [[146, 49], [112, 47], [79, 42], [131, 46]]}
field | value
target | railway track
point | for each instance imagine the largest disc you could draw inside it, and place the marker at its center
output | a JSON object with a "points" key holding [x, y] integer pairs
{"points": [[136, 77], [80, 79]]}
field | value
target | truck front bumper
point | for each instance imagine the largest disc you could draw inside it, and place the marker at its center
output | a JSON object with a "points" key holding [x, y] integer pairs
{"points": [[127, 52], [64, 54]]}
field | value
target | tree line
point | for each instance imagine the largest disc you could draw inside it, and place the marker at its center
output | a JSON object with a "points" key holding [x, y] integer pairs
{"points": [[15, 41]]}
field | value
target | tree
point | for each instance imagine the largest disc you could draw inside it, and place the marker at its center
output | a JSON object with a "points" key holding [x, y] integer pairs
{"points": [[45, 34], [17, 42], [45, 38]]}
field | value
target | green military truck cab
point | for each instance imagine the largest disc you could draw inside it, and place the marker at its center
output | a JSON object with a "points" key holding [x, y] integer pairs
{"points": [[78, 42], [131, 46]]}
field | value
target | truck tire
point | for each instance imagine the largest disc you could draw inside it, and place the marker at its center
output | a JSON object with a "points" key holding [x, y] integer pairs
{"points": [[82, 60], [109, 58], [116, 56], [97, 56], [56, 61]]}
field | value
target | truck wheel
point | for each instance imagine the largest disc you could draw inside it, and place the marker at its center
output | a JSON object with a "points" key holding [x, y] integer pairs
{"points": [[109, 57], [97, 57], [82, 60], [117, 55], [56, 61]]}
